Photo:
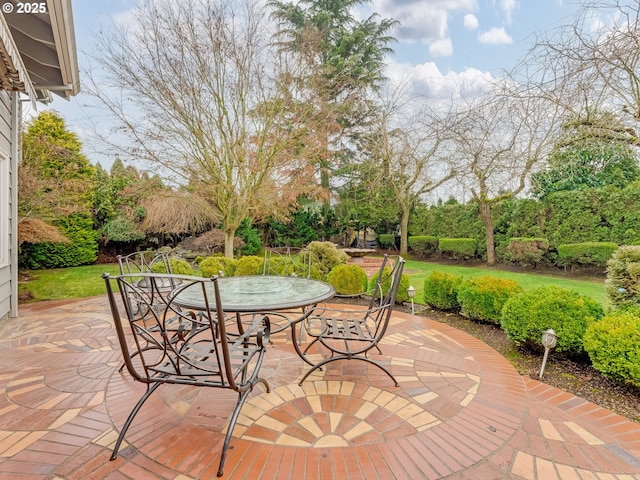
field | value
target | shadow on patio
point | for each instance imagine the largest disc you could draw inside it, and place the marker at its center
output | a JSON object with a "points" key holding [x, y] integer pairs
{"points": [[461, 411]]}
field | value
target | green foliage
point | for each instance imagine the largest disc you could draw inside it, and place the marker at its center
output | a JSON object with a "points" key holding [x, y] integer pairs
{"points": [[251, 237], [403, 288], [178, 267], [527, 251], [121, 229], [348, 279], [613, 345], [249, 265], [297, 232], [82, 250], [386, 240], [458, 248], [423, 245], [482, 298], [441, 290], [623, 277], [586, 162], [213, 265], [527, 314], [450, 219], [586, 253], [198, 259], [325, 256]]}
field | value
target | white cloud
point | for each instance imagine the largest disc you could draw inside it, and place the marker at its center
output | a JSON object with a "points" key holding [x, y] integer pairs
{"points": [[425, 80], [421, 20], [507, 6], [495, 36], [441, 48], [470, 21]]}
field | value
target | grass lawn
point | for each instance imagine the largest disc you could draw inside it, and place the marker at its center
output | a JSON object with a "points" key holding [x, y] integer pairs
{"points": [[79, 282], [60, 283], [418, 271]]}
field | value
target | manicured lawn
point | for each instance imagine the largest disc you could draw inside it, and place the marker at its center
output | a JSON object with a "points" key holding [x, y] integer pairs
{"points": [[60, 283], [79, 282], [418, 271]]}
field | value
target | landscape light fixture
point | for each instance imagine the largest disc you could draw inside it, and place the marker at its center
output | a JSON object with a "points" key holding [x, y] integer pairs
{"points": [[412, 293], [549, 340]]}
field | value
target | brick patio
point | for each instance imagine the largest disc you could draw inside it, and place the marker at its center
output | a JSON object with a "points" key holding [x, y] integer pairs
{"points": [[461, 411]]}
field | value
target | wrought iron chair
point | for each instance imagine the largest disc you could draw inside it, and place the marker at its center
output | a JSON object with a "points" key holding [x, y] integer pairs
{"points": [[180, 346], [351, 334]]}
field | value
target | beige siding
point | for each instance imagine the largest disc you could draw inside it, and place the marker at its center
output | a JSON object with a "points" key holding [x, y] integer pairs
{"points": [[6, 286]]}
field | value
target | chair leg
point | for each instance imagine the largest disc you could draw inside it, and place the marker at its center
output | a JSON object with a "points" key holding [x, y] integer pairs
{"points": [[319, 365], [242, 397], [133, 413]]}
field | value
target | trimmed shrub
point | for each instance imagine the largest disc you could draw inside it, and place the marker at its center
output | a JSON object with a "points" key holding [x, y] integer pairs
{"points": [[441, 291], [325, 256], [386, 240], [587, 253], [348, 279], [527, 314], [83, 249], [211, 266], [423, 245], [178, 267], [613, 345], [458, 248], [482, 298], [527, 251], [249, 265], [623, 277], [403, 288]]}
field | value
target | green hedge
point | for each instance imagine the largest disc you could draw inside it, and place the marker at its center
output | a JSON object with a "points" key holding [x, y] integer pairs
{"points": [[458, 248], [423, 245], [613, 345], [623, 272], [83, 249], [386, 240], [348, 279], [325, 256], [586, 253], [211, 266], [482, 298], [249, 265], [527, 314], [441, 291], [527, 251], [178, 267]]}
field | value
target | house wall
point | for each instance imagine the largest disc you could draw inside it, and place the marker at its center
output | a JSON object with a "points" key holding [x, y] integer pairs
{"points": [[8, 171]]}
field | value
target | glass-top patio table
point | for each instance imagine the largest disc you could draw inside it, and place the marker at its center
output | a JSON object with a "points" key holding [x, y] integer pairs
{"points": [[261, 294]]}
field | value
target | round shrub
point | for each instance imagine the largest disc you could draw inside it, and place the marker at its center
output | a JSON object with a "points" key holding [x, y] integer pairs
{"points": [[482, 298], [325, 256], [613, 345], [178, 267], [403, 288], [623, 277], [348, 279], [441, 291], [211, 266], [198, 259], [568, 312], [249, 265]]}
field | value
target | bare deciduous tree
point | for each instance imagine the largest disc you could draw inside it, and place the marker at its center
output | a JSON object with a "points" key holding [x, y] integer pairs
{"points": [[192, 87], [496, 142], [406, 143]]}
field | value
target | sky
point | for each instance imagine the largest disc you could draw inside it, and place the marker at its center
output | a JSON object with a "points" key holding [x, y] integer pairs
{"points": [[439, 43]]}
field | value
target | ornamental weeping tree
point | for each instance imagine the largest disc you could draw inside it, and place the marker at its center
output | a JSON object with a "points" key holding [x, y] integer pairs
{"points": [[191, 87]]}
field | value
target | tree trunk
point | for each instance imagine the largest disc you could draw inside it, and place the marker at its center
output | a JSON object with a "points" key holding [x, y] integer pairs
{"points": [[485, 212], [228, 243], [404, 228]]}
